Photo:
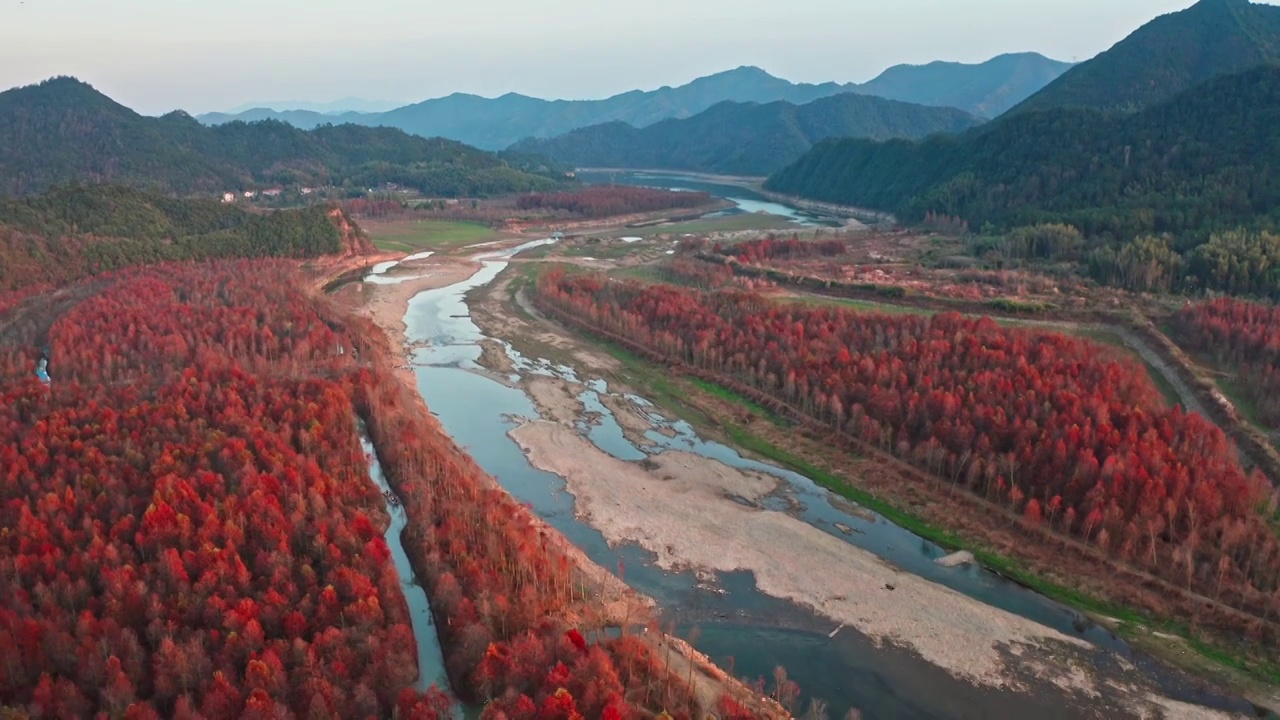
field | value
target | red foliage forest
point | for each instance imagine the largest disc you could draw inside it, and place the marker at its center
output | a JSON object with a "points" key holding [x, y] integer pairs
{"points": [[770, 248], [189, 528], [1053, 427], [606, 200], [1244, 335]]}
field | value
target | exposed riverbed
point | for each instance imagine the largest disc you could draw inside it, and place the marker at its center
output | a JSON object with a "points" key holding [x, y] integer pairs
{"points": [[764, 561]]}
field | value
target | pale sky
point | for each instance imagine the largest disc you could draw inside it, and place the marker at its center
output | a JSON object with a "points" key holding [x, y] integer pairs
{"points": [[158, 55]]}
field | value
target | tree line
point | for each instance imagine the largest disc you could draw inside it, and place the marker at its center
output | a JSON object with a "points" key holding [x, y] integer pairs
{"points": [[81, 230], [608, 200], [1055, 428]]}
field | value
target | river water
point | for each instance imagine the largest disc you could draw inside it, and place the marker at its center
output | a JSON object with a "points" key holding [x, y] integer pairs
{"points": [[737, 626], [744, 200], [430, 659]]}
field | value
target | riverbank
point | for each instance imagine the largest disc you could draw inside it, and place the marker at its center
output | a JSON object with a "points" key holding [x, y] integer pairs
{"points": [[607, 601], [695, 513], [386, 304], [646, 523]]}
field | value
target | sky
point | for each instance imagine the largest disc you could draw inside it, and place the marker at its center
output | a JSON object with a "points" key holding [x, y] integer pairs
{"points": [[160, 55]]}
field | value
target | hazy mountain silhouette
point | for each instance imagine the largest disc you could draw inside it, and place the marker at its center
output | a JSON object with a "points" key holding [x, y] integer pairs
{"points": [[746, 138], [987, 89], [495, 123]]}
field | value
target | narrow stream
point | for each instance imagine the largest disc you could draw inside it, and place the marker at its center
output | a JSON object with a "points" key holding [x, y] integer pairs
{"points": [[430, 659], [739, 626]]}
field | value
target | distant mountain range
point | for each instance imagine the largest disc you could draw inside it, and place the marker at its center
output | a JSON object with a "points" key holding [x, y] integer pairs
{"points": [[1194, 163], [985, 89], [746, 138], [334, 107], [1170, 54], [63, 130]]}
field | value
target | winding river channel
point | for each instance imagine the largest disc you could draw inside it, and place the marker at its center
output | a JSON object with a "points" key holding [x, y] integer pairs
{"points": [[430, 659], [737, 625], [744, 199]]}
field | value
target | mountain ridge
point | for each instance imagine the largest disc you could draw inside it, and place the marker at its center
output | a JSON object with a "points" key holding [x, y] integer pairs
{"points": [[63, 130], [1167, 55], [497, 123], [745, 138], [986, 89]]}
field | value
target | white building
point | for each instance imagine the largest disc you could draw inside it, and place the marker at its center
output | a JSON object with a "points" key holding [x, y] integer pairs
{"points": [[228, 197]]}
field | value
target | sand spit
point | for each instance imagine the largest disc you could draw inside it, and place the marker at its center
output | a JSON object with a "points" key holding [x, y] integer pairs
{"points": [[494, 357], [386, 304], [685, 512], [556, 400], [633, 419]]}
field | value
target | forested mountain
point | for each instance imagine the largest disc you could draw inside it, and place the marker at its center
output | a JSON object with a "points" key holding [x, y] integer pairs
{"points": [[63, 130], [1168, 55], [746, 138], [74, 231], [985, 89], [494, 123], [1198, 163]]}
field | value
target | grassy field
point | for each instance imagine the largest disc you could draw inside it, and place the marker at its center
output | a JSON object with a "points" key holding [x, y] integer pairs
{"points": [[414, 235]]}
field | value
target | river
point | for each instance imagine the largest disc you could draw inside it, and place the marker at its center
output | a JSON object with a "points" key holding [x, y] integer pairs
{"points": [[744, 199], [430, 659], [738, 625]]}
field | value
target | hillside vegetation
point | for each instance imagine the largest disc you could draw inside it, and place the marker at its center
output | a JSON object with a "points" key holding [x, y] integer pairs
{"points": [[63, 130], [76, 231], [746, 138], [1168, 169], [1168, 55]]}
